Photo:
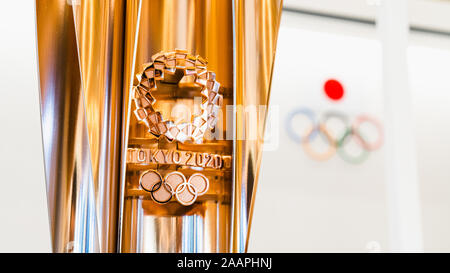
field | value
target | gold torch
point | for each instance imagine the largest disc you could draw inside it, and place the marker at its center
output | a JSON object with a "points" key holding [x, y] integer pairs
{"points": [[152, 139]]}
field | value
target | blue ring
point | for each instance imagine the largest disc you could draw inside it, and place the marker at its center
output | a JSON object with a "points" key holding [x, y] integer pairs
{"points": [[309, 114]]}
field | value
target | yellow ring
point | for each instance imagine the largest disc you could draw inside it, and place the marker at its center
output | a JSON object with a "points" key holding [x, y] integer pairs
{"points": [[311, 152]]}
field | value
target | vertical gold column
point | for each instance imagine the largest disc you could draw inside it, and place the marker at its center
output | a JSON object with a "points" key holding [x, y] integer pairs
{"points": [[205, 28], [256, 31], [87, 126], [65, 137], [100, 35], [127, 216]]}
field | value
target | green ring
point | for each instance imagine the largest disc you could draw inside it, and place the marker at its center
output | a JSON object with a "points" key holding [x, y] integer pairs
{"points": [[346, 157]]}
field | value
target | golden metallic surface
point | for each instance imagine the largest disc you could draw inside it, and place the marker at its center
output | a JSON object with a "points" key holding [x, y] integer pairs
{"points": [[132, 19], [65, 138], [203, 28], [88, 55], [132, 22], [256, 31], [100, 35]]}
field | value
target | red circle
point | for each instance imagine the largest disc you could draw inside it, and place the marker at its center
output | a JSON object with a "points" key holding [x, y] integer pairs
{"points": [[333, 89]]}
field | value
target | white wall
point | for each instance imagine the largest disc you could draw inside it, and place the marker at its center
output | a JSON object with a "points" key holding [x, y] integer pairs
{"points": [[305, 205], [429, 63], [302, 204], [24, 224], [423, 14]]}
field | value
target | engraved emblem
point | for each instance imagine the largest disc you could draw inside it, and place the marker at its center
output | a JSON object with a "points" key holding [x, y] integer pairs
{"points": [[176, 67], [143, 156], [194, 67], [175, 184]]}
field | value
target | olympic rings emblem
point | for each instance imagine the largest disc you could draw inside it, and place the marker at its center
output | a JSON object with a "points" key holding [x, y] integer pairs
{"points": [[318, 126], [174, 184]]}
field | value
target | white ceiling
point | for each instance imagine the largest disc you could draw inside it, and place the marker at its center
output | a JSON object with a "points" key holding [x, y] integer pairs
{"points": [[430, 15]]}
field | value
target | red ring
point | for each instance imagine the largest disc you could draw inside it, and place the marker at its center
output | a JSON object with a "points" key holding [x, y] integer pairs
{"points": [[368, 146]]}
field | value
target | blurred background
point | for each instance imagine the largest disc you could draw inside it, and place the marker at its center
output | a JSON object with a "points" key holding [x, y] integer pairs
{"points": [[358, 160], [359, 201]]}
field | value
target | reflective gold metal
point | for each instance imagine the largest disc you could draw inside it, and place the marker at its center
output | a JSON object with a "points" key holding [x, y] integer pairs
{"points": [[256, 31], [100, 35], [202, 28], [65, 137], [102, 162]]}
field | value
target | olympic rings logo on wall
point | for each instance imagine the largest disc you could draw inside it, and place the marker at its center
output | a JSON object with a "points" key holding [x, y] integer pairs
{"points": [[318, 126]]}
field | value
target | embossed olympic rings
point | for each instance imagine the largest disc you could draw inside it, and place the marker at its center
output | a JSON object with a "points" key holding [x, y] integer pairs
{"points": [[336, 144], [175, 184]]}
